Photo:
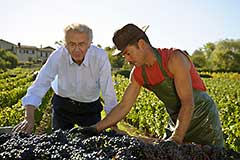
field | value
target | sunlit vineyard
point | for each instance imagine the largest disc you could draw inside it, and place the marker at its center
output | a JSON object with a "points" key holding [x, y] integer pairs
{"points": [[13, 86], [148, 114]]}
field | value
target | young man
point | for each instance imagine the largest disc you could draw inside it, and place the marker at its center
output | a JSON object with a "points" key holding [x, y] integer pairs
{"points": [[80, 71], [170, 74]]}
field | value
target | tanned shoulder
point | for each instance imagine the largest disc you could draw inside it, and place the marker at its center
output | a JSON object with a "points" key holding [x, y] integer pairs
{"points": [[177, 62]]}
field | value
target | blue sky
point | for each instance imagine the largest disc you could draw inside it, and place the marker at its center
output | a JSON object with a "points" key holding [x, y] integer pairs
{"points": [[186, 24]]}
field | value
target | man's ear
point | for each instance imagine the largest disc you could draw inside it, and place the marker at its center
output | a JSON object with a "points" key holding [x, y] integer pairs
{"points": [[141, 44]]}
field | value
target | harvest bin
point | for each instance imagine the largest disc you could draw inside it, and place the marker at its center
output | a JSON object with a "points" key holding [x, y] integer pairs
{"points": [[7, 129]]}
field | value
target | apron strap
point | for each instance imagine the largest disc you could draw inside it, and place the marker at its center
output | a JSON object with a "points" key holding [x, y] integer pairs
{"points": [[159, 60]]}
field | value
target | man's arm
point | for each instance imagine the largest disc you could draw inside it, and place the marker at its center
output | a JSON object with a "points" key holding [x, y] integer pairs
{"points": [[122, 109], [106, 85], [41, 85], [34, 95], [28, 124], [179, 66]]}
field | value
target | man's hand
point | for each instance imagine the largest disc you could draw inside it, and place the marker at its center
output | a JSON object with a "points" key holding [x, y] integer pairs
{"points": [[28, 124], [25, 126], [175, 138], [87, 131]]}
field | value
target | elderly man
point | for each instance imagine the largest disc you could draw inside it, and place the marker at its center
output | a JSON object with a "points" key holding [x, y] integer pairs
{"points": [[79, 71]]}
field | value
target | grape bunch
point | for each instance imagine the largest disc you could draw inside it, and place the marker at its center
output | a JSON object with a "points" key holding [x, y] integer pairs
{"points": [[171, 151], [62, 145], [108, 145]]}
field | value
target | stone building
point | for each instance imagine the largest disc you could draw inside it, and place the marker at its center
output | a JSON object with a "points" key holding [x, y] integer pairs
{"points": [[26, 53]]}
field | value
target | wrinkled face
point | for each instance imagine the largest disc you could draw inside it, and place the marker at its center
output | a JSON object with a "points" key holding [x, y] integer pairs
{"points": [[77, 45], [134, 55]]}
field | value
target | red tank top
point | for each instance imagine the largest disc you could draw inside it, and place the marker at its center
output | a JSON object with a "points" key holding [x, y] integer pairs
{"points": [[155, 75]]}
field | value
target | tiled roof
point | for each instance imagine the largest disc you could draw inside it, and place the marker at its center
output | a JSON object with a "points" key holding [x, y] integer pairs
{"points": [[7, 42], [27, 47]]}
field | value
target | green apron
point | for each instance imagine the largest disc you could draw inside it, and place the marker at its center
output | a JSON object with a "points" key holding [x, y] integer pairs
{"points": [[205, 126]]}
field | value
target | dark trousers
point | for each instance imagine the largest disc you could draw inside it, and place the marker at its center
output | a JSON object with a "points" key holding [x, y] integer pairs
{"points": [[67, 112]]}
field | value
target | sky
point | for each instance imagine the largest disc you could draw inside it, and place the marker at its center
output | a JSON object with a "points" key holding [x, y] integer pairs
{"points": [[185, 24]]}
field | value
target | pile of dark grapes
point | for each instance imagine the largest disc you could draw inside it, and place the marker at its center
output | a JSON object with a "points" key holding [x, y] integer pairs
{"points": [[108, 145], [171, 151]]}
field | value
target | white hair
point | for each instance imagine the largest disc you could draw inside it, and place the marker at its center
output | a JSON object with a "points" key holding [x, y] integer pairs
{"points": [[81, 28]]}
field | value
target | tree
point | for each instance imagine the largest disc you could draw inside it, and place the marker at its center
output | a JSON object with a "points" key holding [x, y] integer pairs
{"points": [[59, 43], [7, 59], [116, 61], [207, 50], [199, 59], [226, 55], [99, 46]]}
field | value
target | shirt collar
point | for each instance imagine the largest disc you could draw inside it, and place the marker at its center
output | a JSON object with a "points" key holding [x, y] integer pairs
{"points": [[85, 61]]}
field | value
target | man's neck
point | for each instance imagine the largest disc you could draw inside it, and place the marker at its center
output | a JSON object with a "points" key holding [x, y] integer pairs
{"points": [[79, 62], [150, 57]]}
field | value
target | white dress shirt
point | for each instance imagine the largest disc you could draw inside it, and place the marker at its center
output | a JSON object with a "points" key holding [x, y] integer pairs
{"points": [[82, 83]]}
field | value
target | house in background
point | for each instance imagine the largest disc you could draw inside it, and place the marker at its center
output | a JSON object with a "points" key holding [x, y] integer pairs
{"points": [[7, 46], [32, 53], [26, 53], [45, 52]]}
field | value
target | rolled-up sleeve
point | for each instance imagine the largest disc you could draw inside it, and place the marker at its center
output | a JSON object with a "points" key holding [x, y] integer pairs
{"points": [[41, 85], [106, 85]]}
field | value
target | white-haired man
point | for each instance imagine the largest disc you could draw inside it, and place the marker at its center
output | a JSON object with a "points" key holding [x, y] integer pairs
{"points": [[77, 72]]}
